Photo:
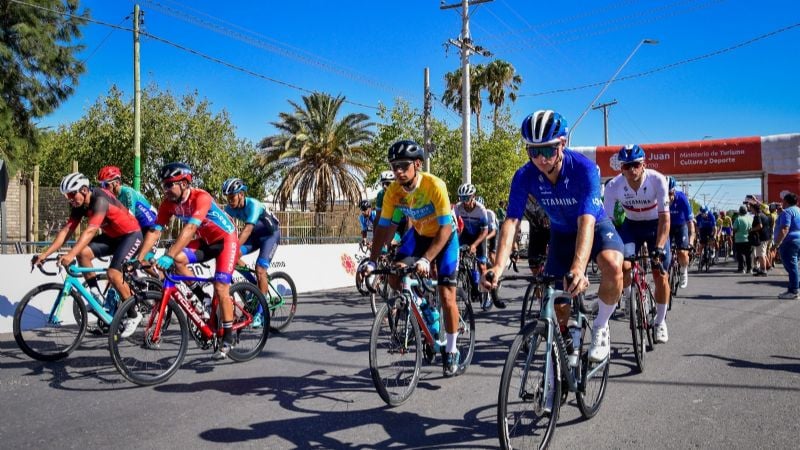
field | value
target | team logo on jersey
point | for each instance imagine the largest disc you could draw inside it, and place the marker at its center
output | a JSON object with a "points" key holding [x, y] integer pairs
{"points": [[566, 183]]}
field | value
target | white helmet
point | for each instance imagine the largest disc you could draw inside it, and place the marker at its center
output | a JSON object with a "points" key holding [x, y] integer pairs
{"points": [[466, 189], [387, 176], [73, 183]]}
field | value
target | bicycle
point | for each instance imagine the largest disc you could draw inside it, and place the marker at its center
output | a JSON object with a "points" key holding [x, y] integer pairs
{"points": [[51, 320], [541, 366], [379, 283], [725, 249], [469, 278], [705, 260], [534, 293], [155, 351], [281, 297], [675, 275], [402, 335], [642, 312]]}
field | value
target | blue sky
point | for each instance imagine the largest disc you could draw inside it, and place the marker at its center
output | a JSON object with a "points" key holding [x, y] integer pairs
{"points": [[375, 51]]}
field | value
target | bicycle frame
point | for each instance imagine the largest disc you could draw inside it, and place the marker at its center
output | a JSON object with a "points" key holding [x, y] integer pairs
{"points": [[411, 297], [72, 282]]}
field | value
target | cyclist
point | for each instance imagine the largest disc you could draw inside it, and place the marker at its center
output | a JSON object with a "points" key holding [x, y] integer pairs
{"points": [[367, 220], [424, 200], [725, 230], [121, 237], [387, 177], [491, 238], [216, 239], [643, 193], [681, 227], [261, 230], [706, 229], [567, 186], [110, 178], [538, 234]]}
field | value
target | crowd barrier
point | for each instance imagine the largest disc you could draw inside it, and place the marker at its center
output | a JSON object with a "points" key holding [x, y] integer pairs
{"points": [[312, 267]]}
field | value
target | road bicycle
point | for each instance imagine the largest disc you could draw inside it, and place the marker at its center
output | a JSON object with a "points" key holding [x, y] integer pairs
{"points": [[675, 275], [724, 249], [469, 279], [379, 289], [51, 320], [402, 336], [281, 297], [641, 311], [706, 259], [542, 368], [155, 351], [534, 294]]}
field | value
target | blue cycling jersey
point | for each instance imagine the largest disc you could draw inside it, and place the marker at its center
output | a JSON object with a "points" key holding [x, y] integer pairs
{"points": [[138, 205], [367, 222], [575, 193], [706, 221], [252, 212], [680, 210]]}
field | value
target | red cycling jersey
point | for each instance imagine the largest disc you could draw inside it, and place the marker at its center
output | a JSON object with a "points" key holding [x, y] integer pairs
{"points": [[105, 212], [213, 224]]}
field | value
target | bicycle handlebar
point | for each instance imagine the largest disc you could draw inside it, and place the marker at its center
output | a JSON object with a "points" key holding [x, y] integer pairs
{"points": [[40, 265]]}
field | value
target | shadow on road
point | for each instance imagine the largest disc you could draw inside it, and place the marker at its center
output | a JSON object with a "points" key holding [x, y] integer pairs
{"points": [[744, 364]]}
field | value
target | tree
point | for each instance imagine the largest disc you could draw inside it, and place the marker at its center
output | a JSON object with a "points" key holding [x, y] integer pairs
{"points": [[501, 80], [453, 88], [318, 155], [38, 68]]}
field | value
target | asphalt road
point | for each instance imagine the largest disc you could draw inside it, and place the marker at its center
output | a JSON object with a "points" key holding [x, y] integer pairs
{"points": [[728, 378]]}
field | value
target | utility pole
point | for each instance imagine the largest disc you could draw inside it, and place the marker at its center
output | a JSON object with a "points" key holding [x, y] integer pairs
{"points": [[426, 121], [464, 43], [137, 104], [604, 107]]}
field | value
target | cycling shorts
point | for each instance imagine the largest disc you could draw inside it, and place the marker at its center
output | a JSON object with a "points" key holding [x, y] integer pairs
{"points": [[537, 245], [562, 245], [123, 248], [414, 245], [705, 234], [679, 235], [480, 251], [636, 233], [226, 252], [264, 238], [727, 231]]}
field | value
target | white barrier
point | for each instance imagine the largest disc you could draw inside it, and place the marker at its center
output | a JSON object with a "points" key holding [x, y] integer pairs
{"points": [[312, 267]]}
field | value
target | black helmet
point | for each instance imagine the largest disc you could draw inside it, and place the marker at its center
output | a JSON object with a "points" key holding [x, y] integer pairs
{"points": [[365, 205], [406, 150], [175, 171]]}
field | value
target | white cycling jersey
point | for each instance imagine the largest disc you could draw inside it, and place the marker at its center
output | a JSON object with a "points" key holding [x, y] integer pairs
{"points": [[651, 199]]}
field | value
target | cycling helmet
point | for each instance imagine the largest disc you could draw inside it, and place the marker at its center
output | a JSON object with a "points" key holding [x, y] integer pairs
{"points": [[704, 209], [175, 171], [233, 185], [365, 205], [773, 207], [109, 173], [73, 183], [466, 189], [672, 183], [480, 200], [630, 153], [406, 150], [544, 127], [387, 176]]}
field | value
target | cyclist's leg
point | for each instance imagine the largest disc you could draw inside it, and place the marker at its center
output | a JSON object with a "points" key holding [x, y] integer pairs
{"points": [[631, 248], [447, 263], [607, 250], [125, 249], [268, 245]]}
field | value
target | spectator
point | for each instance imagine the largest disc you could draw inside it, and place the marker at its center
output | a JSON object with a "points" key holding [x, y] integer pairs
{"points": [[787, 243], [741, 229], [500, 212], [759, 235]]}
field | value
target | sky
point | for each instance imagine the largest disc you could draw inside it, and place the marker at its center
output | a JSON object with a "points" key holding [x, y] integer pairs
{"points": [[375, 51]]}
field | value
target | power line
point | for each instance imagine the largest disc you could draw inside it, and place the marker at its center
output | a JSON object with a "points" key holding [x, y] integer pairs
{"points": [[103, 41], [668, 66]]}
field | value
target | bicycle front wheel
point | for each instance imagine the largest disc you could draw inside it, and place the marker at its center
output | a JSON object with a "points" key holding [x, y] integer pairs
{"points": [[282, 300], [525, 418], [144, 358], [593, 376], [380, 293], [250, 339], [532, 298], [636, 320], [395, 354], [48, 326]]}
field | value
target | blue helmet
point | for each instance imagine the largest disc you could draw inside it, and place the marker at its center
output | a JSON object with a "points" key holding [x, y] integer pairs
{"points": [[544, 127], [672, 183], [233, 185], [704, 209], [630, 153]]}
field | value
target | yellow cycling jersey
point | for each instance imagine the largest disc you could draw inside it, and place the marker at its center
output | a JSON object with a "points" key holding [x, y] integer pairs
{"points": [[724, 222], [428, 206]]}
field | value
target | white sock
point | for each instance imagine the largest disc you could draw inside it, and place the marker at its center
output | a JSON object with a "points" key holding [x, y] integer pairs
{"points": [[604, 312], [684, 270], [626, 291], [661, 313], [451, 342]]}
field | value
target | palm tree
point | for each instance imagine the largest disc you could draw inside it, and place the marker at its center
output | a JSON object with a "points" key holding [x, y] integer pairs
{"points": [[318, 155], [501, 80], [452, 93]]}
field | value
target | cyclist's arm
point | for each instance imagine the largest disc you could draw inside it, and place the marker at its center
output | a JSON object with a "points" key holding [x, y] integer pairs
{"points": [[483, 235], [663, 229], [690, 226], [439, 241], [246, 232], [86, 236], [186, 236], [59, 240], [150, 240], [583, 244], [380, 237]]}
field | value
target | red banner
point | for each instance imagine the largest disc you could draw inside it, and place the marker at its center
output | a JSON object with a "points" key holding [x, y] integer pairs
{"points": [[699, 157]]}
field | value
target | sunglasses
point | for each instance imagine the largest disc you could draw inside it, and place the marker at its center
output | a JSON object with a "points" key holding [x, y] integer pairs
{"points": [[633, 165], [465, 198], [400, 165], [547, 151], [169, 185], [71, 195], [106, 184]]}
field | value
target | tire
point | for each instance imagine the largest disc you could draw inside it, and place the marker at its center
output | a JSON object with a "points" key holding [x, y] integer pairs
{"points": [[395, 353], [249, 340], [591, 386], [381, 294], [521, 419], [531, 298], [42, 338], [637, 328], [649, 314], [282, 300], [138, 358], [466, 331]]}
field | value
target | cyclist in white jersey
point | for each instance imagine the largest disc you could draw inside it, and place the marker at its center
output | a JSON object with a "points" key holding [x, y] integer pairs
{"points": [[644, 196]]}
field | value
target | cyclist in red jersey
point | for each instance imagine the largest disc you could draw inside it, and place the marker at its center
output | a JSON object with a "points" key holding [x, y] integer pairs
{"points": [[121, 238], [217, 238]]}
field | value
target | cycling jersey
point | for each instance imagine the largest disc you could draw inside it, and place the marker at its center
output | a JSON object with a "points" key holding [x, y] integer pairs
{"points": [[368, 221], [646, 203], [475, 221], [105, 212], [575, 193], [254, 213], [200, 209], [724, 222], [138, 205], [427, 206], [680, 210], [706, 221], [492, 219]]}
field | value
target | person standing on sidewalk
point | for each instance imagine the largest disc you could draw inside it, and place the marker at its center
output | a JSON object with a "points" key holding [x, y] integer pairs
{"points": [[758, 239], [787, 242], [741, 229]]}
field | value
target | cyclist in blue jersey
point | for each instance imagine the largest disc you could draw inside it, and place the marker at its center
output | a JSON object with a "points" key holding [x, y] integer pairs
{"points": [[110, 178], [566, 185], [681, 227], [706, 230], [367, 220], [261, 230]]}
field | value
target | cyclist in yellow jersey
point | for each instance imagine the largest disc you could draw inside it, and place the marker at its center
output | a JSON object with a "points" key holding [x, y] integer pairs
{"points": [[725, 227], [422, 198]]}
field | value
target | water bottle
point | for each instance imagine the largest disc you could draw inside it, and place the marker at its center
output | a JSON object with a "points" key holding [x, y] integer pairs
{"points": [[431, 316], [476, 276], [575, 334], [111, 301]]}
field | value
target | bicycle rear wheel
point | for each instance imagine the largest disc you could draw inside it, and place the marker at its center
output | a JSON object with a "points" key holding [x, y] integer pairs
{"points": [[466, 330], [593, 377], [282, 299], [250, 340], [142, 358], [395, 353], [637, 328], [45, 336], [522, 417]]}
